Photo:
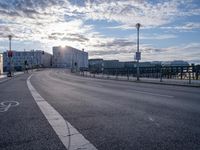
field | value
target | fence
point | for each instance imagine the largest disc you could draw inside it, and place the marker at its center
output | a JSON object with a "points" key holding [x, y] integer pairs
{"points": [[188, 73]]}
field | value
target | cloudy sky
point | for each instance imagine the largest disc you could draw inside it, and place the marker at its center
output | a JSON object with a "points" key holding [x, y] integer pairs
{"points": [[105, 28]]}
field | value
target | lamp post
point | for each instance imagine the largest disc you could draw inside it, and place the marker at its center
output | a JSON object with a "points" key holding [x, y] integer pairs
{"points": [[138, 54], [10, 56]]}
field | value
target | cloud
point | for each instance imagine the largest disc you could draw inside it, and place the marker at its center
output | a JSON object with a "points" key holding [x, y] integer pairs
{"points": [[98, 53], [58, 22], [115, 43], [186, 26], [130, 12], [188, 52], [76, 37], [158, 36]]}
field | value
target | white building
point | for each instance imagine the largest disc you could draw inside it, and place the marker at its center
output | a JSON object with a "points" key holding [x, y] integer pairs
{"points": [[1, 64], [69, 57], [32, 59]]}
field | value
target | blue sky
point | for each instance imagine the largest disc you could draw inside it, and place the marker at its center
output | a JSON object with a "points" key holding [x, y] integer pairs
{"points": [[105, 28]]}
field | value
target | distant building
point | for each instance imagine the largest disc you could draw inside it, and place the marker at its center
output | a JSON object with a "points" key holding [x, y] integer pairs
{"points": [[146, 64], [130, 64], [175, 63], [31, 59], [69, 57], [110, 66], [113, 64], [96, 65], [156, 63], [1, 64]]}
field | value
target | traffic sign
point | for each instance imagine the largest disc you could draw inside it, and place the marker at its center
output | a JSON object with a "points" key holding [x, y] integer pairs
{"points": [[138, 56]]}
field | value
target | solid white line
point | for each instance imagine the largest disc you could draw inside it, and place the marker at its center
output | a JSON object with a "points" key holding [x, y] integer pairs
{"points": [[69, 136]]}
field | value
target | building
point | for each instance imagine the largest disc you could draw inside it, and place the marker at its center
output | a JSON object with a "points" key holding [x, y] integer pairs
{"points": [[1, 64], [146, 64], [130, 64], [69, 57], [30, 59], [96, 65], [175, 63], [113, 64]]}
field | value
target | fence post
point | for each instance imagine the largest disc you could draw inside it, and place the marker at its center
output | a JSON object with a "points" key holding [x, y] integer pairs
{"points": [[181, 73], [128, 73], [116, 74], [189, 77], [197, 75], [161, 75], [107, 75]]}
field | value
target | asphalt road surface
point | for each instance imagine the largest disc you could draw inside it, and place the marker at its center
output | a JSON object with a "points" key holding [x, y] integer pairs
{"points": [[112, 115]]}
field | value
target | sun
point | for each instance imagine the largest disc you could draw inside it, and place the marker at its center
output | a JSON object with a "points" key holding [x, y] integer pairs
{"points": [[63, 45]]}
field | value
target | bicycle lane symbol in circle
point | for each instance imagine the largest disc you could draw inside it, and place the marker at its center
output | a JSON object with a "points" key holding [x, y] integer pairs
{"points": [[4, 106]]}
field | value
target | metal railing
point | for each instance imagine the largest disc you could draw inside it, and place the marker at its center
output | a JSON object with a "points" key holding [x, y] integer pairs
{"points": [[185, 73]]}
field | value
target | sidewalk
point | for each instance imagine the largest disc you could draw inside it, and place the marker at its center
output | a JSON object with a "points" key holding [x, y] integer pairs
{"points": [[4, 77], [179, 82]]}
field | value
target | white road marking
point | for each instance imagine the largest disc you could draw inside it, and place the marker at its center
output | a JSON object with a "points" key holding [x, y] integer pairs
{"points": [[4, 106], [69, 136]]}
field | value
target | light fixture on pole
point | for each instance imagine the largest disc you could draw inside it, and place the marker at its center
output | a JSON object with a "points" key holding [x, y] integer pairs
{"points": [[138, 53], [10, 54]]}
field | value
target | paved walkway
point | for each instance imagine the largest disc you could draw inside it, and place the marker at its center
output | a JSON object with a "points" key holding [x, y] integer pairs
{"points": [[4, 77]]}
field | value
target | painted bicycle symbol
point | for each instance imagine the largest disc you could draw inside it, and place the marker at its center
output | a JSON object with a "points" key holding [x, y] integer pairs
{"points": [[4, 106]]}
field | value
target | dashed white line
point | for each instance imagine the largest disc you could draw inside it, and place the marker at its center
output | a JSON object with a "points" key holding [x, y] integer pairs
{"points": [[69, 136]]}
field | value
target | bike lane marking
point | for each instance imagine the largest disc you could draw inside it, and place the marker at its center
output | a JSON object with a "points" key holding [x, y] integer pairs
{"points": [[5, 105]]}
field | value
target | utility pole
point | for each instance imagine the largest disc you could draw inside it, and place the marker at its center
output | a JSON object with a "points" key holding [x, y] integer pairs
{"points": [[138, 54]]}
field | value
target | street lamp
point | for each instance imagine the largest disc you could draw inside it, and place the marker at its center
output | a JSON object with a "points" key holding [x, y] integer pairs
{"points": [[138, 54], [10, 54]]}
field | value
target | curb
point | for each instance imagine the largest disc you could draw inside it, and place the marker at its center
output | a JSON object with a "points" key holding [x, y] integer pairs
{"points": [[5, 79], [150, 82], [172, 84]]}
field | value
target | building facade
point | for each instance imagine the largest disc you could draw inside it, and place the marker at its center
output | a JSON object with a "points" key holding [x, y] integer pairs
{"points": [[175, 63], [69, 57], [1, 64], [96, 65], [29, 59]]}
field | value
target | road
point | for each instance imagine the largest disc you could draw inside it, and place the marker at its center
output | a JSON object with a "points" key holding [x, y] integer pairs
{"points": [[112, 115]]}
